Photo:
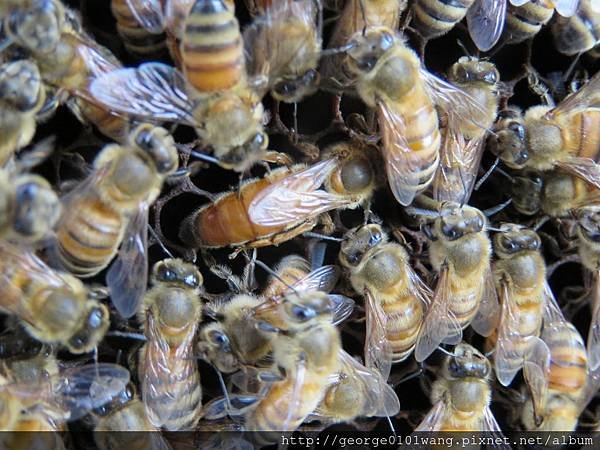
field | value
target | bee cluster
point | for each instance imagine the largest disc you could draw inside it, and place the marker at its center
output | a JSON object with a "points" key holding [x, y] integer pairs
{"points": [[281, 215]]}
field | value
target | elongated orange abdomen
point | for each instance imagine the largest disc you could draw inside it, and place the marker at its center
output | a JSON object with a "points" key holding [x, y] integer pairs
{"points": [[212, 49], [226, 222]]}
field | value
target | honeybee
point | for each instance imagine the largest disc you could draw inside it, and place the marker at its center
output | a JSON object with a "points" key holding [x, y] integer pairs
{"points": [[391, 79], [356, 16], [137, 40], [213, 94], [126, 412], [233, 341], [29, 208], [578, 33], [461, 397], [171, 312], [283, 204], [560, 406], [22, 96], [394, 294], [463, 143], [283, 46], [357, 392], [555, 138], [52, 306], [36, 395], [306, 346], [108, 213], [460, 252], [525, 297]]}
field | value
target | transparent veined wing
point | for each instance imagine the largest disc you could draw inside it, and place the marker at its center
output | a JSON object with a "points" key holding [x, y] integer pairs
{"points": [[378, 352], [322, 279], [126, 278], [593, 341], [490, 425], [536, 371], [567, 8], [296, 197], [342, 307], [586, 97], [434, 419], [439, 324], [585, 168], [486, 319], [153, 91], [149, 14], [485, 19]]}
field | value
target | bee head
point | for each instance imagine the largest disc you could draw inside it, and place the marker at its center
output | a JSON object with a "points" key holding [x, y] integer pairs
{"points": [[456, 221], [513, 239], [358, 241], [158, 145]]}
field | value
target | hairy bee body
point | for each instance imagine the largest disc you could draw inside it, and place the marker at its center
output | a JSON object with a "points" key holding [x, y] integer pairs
{"points": [[212, 50], [588, 234], [22, 97], [578, 33], [524, 22], [566, 383], [226, 222], [315, 344], [389, 79], [434, 18], [53, 306], [171, 312], [522, 271], [136, 39], [382, 270], [93, 225]]}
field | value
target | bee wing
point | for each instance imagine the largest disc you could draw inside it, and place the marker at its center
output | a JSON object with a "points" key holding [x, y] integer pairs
{"points": [[378, 353], [486, 319], [518, 2], [439, 324], [322, 279], [152, 91], [97, 60], [506, 345], [485, 20], [380, 399], [126, 278], [459, 164], [536, 371], [434, 419], [490, 425], [342, 307], [267, 48], [84, 388], [457, 104], [585, 168], [552, 312], [300, 379], [566, 8], [418, 287], [593, 341], [296, 197], [174, 11], [404, 167], [149, 14], [586, 97]]}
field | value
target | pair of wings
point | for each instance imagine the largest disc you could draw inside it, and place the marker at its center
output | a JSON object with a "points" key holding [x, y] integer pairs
{"points": [[126, 278], [441, 326], [402, 168], [297, 197], [585, 99], [435, 418], [75, 391], [377, 350], [593, 342], [485, 19], [163, 368]]}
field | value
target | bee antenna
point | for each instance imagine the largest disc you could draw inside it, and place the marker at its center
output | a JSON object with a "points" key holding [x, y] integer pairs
{"points": [[157, 239], [223, 388], [464, 48], [322, 236], [540, 222], [127, 335], [490, 353], [414, 211], [487, 174], [202, 156], [364, 16], [496, 209], [272, 273], [333, 51], [443, 350]]}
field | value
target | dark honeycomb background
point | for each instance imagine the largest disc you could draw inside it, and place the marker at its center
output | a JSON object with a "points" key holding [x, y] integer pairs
{"points": [[315, 115]]}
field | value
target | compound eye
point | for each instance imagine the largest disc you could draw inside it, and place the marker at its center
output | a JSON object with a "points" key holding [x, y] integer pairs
{"points": [[302, 313], [285, 88], [367, 64], [191, 281]]}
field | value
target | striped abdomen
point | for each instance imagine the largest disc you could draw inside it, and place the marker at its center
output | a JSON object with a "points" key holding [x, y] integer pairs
{"points": [[171, 391], [568, 364], [212, 49], [578, 33], [111, 125], [524, 22], [273, 410], [580, 134], [404, 319], [422, 134], [137, 40], [88, 236], [436, 17]]}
